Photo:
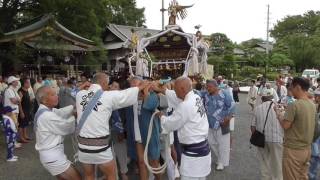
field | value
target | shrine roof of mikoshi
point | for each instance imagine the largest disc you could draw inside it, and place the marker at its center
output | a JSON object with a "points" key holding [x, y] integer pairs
{"points": [[119, 36], [48, 34]]}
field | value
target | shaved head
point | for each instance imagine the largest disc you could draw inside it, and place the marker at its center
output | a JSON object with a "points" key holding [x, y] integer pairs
{"points": [[102, 79], [182, 86]]}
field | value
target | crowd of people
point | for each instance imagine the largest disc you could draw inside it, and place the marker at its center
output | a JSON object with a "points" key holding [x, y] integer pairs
{"points": [[288, 116], [110, 119]]}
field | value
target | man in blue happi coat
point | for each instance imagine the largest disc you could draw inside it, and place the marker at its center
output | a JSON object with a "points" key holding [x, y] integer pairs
{"points": [[220, 109], [139, 117]]}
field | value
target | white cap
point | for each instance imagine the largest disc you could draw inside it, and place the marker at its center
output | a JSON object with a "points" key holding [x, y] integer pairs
{"points": [[267, 92], [12, 79]]}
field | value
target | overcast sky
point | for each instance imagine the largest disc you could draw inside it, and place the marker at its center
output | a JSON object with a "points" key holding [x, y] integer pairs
{"points": [[240, 20]]}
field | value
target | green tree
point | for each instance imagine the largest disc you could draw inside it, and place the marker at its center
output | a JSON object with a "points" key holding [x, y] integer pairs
{"points": [[221, 44], [86, 18], [253, 56], [280, 60], [83, 17], [298, 38]]}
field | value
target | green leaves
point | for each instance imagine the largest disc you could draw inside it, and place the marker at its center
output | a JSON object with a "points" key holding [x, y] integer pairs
{"points": [[298, 38], [86, 18], [221, 44]]}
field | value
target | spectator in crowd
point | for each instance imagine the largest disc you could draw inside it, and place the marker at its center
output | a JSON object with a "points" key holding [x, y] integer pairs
{"points": [[47, 81], [12, 98], [3, 84], [299, 124], [261, 86], [264, 120], [30, 89], [229, 87], [10, 132], [24, 111], [38, 84], [220, 81], [281, 90], [3, 87], [19, 82], [235, 91], [252, 94]]}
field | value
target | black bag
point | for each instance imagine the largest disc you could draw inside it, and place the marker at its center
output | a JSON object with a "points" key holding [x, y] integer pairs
{"points": [[258, 138]]}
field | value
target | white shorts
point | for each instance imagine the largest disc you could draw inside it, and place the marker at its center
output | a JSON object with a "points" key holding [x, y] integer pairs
{"points": [[96, 158], [54, 160]]}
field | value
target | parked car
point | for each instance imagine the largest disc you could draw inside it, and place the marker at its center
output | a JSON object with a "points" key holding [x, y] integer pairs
{"points": [[312, 74]]}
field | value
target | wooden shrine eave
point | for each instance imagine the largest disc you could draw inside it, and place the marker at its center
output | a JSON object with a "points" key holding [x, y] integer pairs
{"points": [[47, 23]]}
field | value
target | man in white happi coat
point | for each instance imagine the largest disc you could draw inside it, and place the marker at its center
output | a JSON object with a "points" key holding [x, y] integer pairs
{"points": [[93, 138], [190, 119], [51, 125]]}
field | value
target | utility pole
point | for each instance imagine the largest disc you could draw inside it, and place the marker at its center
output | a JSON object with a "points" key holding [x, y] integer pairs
{"points": [[162, 11], [267, 43]]}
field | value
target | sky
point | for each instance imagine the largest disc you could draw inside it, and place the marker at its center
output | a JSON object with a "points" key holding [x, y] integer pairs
{"points": [[240, 20]]}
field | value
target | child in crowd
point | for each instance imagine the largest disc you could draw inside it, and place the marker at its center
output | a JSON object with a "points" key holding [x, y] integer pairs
{"points": [[10, 132]]}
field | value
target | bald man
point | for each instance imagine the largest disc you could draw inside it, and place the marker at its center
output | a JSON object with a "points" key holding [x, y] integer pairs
{"points": [[94, 136], [51, 125], [190, 120]]}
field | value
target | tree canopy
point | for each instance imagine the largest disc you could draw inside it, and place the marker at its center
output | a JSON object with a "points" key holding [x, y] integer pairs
{"points": [[86, 18], [298, 38]]}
